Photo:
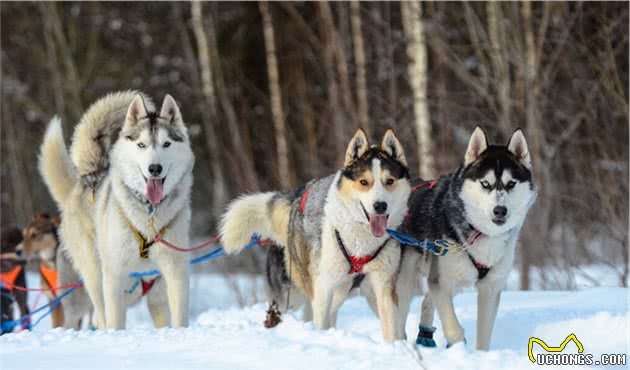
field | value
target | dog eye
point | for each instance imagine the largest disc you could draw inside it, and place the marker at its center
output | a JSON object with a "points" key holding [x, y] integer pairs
{"points": [[389, 181], [129, 138], [141, 145], [363, 182], [485, 184], [166, 144], [510, 185]]}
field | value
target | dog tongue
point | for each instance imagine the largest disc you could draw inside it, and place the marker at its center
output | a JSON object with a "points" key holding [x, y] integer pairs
{"points": [[155, 191], [378, 224]]}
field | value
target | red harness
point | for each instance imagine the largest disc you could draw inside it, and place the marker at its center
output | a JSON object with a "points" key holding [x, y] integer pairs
{"points": [[147, 285], [356, 263]]}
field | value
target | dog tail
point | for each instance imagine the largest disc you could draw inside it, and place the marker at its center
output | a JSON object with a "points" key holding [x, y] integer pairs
{"points": [[264, 214], [98, 130], [55, 165]]}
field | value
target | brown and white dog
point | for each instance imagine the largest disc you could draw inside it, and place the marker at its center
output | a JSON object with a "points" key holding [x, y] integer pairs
{"points": [[41, 242], [11, 275]]}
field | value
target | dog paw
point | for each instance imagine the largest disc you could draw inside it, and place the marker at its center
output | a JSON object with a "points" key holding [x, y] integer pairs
{"points": [[463, 341], [425, 337]]}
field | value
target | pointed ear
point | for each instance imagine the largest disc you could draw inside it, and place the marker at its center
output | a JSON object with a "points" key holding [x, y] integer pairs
{"points": [[357, 146], [170, 111], [39, 216], [518, 146], [392, 146], [136, 111], [478, 144], [57, 220]]}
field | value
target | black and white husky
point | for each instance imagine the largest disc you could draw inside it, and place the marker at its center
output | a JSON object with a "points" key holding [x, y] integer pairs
{"points": [[334, 230], [480, 208], [128, 162]]}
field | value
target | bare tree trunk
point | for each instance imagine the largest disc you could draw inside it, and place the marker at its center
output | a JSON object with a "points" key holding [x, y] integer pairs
{"points": [[359, 61], [500, 63], [242, 152], [331, 81], [219, 195], [276, 97], [73, 81], [308, 117], [53, 65], [417, 69]]}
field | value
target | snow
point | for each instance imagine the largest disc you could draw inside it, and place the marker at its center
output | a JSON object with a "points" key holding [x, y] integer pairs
{"points": [[224, 336]]}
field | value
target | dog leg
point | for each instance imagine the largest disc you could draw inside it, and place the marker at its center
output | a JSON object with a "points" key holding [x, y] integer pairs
{"points": [[307, 315], [443, 299], [113, 290], [57, 317], [90, 270], [488, 298], [384, 290], [340, 294], [158, 304], [321, 304], [176, 276], [426, 329]]}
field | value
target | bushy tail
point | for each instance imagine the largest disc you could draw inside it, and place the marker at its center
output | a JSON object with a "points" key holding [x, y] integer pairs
{"points": [[55, 165], [98, 130], [264, 214]]}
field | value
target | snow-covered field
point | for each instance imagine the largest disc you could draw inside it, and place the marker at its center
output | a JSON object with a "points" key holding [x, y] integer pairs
{"points": [[223, 336]]}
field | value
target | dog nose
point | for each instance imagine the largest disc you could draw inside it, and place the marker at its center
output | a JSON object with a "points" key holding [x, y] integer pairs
{"points": [[380, 207], [500, 211], [155, 169]]}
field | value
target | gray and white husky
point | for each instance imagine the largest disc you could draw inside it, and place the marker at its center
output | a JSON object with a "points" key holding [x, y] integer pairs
{"points": [[334, 230], [128, 160], [481, 207]]}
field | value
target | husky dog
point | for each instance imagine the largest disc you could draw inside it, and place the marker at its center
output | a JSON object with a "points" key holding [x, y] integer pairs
{"points": [[481, 208], [334, 229], [130, 164], [41, 241]]}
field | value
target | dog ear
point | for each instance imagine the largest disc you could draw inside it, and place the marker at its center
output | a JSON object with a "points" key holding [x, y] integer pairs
{"points": [[356, 148], [137, 110], [392, 146], [57, 220], [170, 111], [39, 216], [518, 146], [478, 144]]}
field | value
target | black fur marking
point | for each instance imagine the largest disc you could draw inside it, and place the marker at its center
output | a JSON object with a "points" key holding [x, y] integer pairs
{"points": [[497, 158], [364, 163]]}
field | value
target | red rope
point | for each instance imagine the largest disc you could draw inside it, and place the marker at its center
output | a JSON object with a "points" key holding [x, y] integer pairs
{"points": [[158, 238]]}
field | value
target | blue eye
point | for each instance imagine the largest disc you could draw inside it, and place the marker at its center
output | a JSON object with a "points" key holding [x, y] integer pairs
{"points": [[510, 185], [141, 145], [166, 144], [485, 184]]}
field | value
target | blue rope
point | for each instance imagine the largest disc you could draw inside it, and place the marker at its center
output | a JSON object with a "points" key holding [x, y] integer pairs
{"points": [[9, 325], [206, 257], [438, 247]]}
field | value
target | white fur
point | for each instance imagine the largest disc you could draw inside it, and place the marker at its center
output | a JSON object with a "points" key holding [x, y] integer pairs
{"points": [[247, 215], [55, 165], [98, 237]]}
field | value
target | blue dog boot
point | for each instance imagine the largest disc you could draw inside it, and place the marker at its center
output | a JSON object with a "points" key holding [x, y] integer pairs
{"points": [[425, 336]]}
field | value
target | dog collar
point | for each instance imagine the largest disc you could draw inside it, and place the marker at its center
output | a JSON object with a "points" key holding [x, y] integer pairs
{"points": [[357, 263]]}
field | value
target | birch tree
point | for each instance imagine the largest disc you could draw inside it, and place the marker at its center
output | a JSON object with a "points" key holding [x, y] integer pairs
{"points": [[207, 88], [359, 61], [411, 12], [277, 112]]}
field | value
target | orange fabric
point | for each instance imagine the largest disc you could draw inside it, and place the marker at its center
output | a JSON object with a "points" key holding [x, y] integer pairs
{"points": [[8, 278], [50, 276]]}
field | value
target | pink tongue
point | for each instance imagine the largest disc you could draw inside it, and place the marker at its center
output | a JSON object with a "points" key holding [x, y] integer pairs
{"points": [[378, 224], [155, 191]]}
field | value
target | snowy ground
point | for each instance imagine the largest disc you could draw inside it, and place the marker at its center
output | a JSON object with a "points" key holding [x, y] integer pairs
{"points": [[222, 336]]}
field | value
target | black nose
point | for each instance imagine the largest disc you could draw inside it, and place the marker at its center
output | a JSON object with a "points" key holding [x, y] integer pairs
{"points": [[155, 169], [380, 207], [500, 211]]}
